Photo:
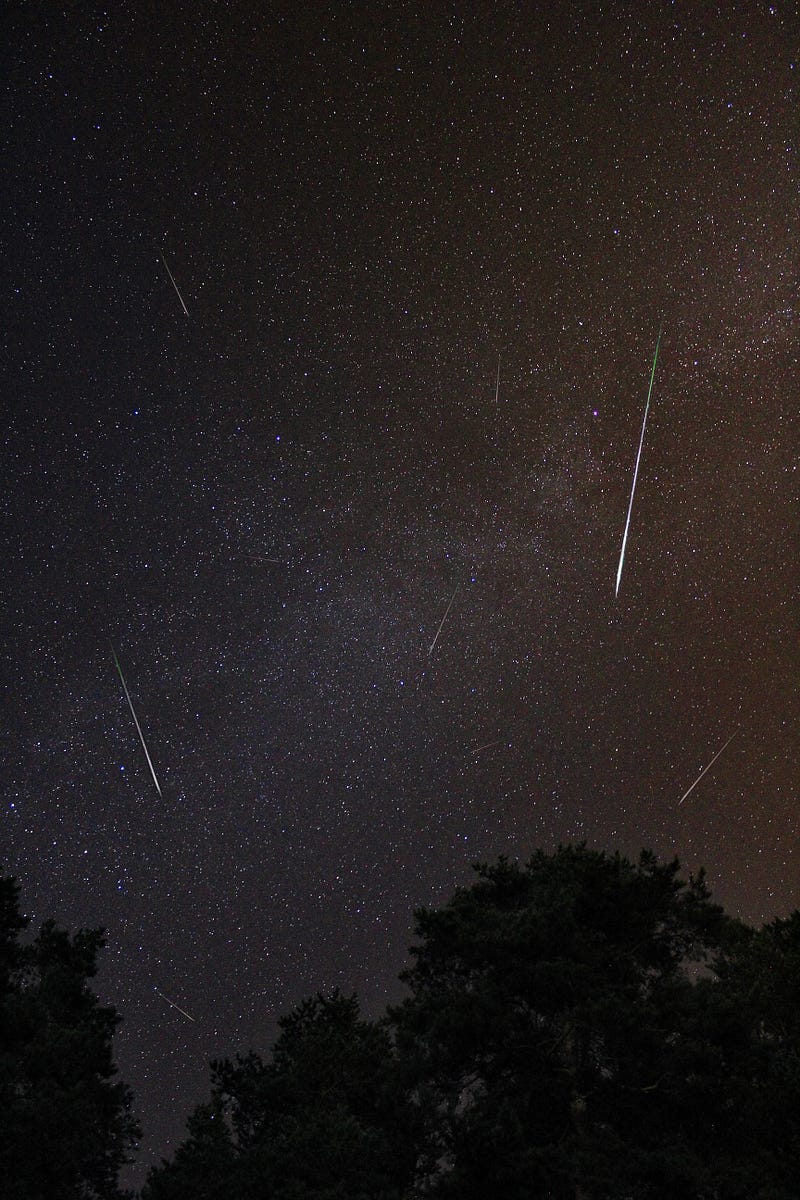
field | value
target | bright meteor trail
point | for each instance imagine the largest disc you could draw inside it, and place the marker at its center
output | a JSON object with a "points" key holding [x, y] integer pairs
{"points": [[135, 720], [636, 468], [174, 284], [708, 768]]}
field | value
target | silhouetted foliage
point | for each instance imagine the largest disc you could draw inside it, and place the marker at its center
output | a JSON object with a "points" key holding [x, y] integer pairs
{"points": [[581, 1027], [756, 1005], [325, 1119], [587, 1027], [206, 1166], [65, 1123]]}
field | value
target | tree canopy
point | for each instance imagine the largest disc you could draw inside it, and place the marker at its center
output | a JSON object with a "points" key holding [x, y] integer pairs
{"points": [[577, 1027], [552, 1028], [581, 1027], [65, 1121], [325, 1118]]}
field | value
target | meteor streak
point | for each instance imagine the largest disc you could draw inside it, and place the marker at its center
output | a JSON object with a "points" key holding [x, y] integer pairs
{"points": [[135, 720], [174, 284], [708, 768], [497, 383], [172, 1004], [441, 623], [486, 745], [636, 468]]}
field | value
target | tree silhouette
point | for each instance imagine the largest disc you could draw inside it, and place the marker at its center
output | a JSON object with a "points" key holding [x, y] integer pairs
{"points": [[582, 1027], [65, 1122], [554, 1032], [324, 1119]]}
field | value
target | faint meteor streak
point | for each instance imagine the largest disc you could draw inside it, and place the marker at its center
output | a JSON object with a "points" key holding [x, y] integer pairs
{"points": [[441, 623], [708, 768], [172, 1004], [636, 468], [135, 720], [497, 382], [486, 745], [174, 284]]}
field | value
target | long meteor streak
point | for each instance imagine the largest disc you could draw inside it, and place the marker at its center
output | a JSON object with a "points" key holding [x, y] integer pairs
{"points": [[136, 720], [441, 623], [708, 768], [172, 1004], [174, 284], [636, 468]]}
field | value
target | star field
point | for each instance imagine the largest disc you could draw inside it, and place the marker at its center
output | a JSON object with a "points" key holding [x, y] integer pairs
{"points": [[268, 505]]}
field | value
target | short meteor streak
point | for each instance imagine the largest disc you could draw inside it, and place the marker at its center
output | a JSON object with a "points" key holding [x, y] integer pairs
{"points": [[486, 745], [441, 623], [708, 768], [172, 1004], [136, 720], [174, 284], [636, 468], [497, 382]]}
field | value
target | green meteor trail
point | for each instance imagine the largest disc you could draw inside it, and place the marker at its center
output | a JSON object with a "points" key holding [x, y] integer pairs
{"points": [[636, 468], [135, 720]]}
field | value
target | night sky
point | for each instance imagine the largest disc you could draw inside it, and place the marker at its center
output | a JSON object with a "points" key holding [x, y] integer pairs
{"points": [[267, 506]]}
